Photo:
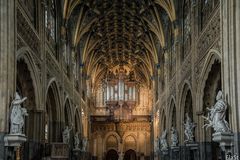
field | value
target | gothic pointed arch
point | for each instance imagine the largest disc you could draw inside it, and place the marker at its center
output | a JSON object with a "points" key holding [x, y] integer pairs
{"points": [[112, 154], [130, 154], [77, 121], [186, 106], [112, 143], [130, 142], [24, 56], [172, 113], [27, 85], [211, 83], [53, 113], [68, 113], [163, 121], [116, 135]]}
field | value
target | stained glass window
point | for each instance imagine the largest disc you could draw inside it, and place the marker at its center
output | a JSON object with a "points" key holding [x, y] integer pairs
{"points": [[50, 19]]}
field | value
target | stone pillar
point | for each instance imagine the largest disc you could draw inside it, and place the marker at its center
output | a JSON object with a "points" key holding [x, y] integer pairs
{"points": [[95, 148], [230, 35], [7, 65]]}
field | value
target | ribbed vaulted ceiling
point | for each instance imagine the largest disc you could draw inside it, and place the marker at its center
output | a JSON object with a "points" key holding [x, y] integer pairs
{"points": [[113, 32]]}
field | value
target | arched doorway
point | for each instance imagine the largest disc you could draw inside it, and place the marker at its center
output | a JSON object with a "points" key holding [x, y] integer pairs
{"points": [[163, 122], [211, 88], [67, 113], [26, 86], [52, 124], [77, 121], [188, 105], [173, 115], [112, 155], [186, 109], [130, 155]]}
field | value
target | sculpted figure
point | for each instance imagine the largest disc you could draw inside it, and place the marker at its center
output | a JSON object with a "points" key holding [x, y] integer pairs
{"points": [[163, 140], [76, 141], [217, 114], [66, 134], [156, 144], [84, 144], [174, 137], [17, 115], [188, 129]]}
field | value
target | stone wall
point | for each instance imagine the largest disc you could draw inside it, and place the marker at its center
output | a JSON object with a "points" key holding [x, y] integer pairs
{"points": [[25, 41]]}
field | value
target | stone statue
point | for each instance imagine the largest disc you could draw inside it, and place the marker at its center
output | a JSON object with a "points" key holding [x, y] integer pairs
{"points": [[217, 114], [17, 115], [76, 141], [163, 140], [188, 129], [84, 144], [66, 134], [174, 137]]}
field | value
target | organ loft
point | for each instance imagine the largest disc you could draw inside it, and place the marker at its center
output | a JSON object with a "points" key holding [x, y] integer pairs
{"points": [[119, 79]]}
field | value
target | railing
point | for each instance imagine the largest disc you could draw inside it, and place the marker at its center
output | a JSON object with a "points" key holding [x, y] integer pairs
{"points": [[111, 118], [59, 151]]}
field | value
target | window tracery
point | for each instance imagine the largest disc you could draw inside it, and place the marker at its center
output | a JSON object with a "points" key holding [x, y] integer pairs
{"points": [[50, 19]]}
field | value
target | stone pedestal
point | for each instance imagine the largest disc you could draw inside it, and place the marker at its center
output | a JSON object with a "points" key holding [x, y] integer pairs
{"points": [[59, 151], [76, 154], [225, 140], [83, 155], [164, 151], [174, 155], [75, 150], [14, 140], [175, 148], [164, 154], [192, 150], [192, 146]]}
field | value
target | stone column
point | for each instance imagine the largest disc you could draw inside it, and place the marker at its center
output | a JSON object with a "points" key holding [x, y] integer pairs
{"points": [[7, 65], [230, 35], [95, 148]]}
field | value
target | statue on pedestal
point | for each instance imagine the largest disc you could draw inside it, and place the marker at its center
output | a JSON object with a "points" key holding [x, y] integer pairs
{"points": [[17, 115], [174, 137], [84, 144], [163, 140], [188, 129], [217, 114], [76, 141], [66, 135]]}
